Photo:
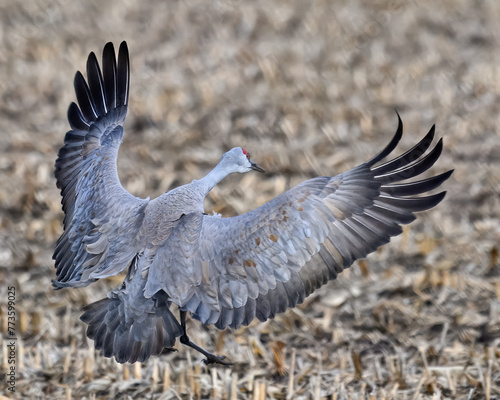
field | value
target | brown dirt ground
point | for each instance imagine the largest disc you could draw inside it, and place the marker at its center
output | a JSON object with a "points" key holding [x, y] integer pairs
{"points": [[309, 87]]}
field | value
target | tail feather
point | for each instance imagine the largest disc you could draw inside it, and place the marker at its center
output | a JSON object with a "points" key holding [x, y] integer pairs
{"points": [[131, 338]]}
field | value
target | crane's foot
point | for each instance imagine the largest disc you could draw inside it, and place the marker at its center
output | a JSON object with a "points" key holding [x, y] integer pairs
{"points": [[213, 359], [210, 358]]}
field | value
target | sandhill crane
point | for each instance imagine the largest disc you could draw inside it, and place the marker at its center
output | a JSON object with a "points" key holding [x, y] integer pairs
{"points": [[224, 271]]}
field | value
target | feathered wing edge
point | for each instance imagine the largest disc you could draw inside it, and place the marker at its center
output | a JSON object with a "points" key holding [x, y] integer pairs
{"points": [[86, 173], [363, 230], [360, 225], [106, 96]]}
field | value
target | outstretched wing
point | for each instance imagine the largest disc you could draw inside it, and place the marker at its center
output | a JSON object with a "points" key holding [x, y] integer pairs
{"points": [[101, 216], [260, 263]]}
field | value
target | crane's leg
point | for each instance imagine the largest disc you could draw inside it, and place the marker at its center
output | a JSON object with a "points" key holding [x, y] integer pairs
{"points": [[211, 358]]}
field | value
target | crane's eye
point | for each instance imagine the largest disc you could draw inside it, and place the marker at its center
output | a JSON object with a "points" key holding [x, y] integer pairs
{"points": [[248, 155]]}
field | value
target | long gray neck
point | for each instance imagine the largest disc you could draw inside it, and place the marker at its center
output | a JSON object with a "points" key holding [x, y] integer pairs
{"points": [[207, 183]]}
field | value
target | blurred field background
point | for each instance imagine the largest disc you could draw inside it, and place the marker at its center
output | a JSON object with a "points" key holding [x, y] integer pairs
{"points": [[309, 88]]}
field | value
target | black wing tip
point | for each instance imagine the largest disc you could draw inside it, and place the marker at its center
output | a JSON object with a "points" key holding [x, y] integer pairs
{"points": [[392, 144], [116, 84], [415, 188], [123, 75], [441, 178], [437, 198], [408, 157], [75, 118], [412, 169], [92, 65], [430, 135], [84, 97], [109, 48], [400, 122], [445, 176], [92, 59], [399, 130], [78, 79], [438, 150], [123, 48], [431, 201], [109, 74]]}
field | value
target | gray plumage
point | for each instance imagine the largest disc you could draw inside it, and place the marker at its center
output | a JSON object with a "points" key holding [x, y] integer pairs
{"points": [[224, 271]]}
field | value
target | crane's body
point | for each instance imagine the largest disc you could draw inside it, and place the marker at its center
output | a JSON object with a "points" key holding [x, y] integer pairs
{"points": [[224, 271]]}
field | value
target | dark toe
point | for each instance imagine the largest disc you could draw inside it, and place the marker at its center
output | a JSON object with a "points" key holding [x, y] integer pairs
{"points": [[217, 360], [167, 350]]}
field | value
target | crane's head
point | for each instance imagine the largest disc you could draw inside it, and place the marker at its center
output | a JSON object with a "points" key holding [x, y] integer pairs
{"points": [[238, 160]]}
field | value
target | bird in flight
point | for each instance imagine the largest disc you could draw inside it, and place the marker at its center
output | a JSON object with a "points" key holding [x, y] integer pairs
{"points": [[223, 271]]}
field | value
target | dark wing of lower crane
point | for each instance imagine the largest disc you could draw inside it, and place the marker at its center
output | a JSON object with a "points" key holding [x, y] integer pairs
{"points": [[101, 215], [260, 263]]}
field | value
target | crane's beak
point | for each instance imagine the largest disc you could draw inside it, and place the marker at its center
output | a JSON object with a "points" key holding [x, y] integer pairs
{"points": [[255, 167]]}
